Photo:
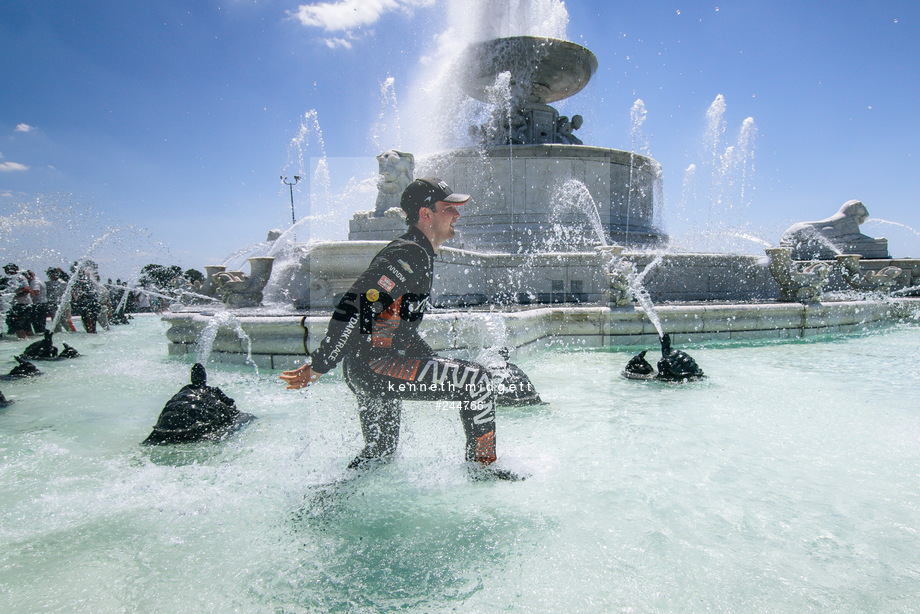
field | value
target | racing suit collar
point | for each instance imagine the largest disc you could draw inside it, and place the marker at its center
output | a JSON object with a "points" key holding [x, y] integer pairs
{"points": [[417, 236]]}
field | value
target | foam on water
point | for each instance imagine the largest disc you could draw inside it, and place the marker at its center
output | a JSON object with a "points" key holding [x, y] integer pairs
{"points": [[785, 481]]}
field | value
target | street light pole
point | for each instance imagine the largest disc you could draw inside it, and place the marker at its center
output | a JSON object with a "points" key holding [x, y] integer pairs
{"points": [[291, 186]]}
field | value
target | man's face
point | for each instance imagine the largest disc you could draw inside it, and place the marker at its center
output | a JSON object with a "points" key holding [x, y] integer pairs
{"points": [[445, 214]]}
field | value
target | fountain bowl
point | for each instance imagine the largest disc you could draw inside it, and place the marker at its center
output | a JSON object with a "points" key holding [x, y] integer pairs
{"points": [[547, 69]]}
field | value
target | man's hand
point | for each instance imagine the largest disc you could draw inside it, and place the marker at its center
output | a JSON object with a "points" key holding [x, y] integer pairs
{"points": [[300, 378]]}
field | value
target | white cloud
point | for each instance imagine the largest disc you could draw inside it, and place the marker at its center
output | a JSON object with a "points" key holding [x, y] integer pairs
{"points": [[24, 128], [332, 43], [345, 15], [9, 167]]}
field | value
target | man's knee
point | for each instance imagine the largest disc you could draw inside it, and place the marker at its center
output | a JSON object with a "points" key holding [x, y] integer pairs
{"points": [[478, 388]]}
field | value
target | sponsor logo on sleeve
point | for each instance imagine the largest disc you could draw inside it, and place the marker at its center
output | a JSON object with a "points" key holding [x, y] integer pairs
{"points": [[386, 283], [392, 269], [404, 265]]}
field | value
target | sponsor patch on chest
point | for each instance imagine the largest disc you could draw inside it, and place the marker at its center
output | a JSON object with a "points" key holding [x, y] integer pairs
{"points": [[392, 269], [386, 283]]}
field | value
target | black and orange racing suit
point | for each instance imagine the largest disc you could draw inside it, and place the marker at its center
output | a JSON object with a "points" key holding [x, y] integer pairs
{"points": [[374, 330]]}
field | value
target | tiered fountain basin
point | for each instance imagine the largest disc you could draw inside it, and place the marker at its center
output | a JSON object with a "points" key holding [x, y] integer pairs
{"points": [[515, 189], [698, 298], [470, 278], [282, 341], [527, 269]]}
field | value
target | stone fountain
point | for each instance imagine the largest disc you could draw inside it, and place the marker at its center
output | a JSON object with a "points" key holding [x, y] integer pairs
{"points": [[523, 239], [528, 153], [555, 237]]}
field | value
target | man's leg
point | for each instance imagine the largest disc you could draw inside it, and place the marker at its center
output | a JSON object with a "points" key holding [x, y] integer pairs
{"points": [[478, 417], [22, 325], [433, 378], [480, 437], [40, 316], [380, 427]]}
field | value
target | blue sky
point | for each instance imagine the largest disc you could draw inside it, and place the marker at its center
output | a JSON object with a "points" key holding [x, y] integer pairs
{"points": [[176, 119]]}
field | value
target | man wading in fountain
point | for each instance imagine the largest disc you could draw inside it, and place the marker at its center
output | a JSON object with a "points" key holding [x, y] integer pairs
{"points": [[374, 330]]}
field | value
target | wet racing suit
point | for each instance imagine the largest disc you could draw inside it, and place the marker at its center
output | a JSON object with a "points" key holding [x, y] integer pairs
{"points": [[374, 330]]}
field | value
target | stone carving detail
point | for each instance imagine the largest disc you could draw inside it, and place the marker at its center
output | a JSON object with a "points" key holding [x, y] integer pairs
{"points": [[209, 286], [536, 124], [796, 282], [868, 280], [539, 71], [396, 172], [565, 127], [839, 233], [619, 272], [619, 293], [238, 290]]}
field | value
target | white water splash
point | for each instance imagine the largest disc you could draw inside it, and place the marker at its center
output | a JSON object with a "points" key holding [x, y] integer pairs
{"points": [[638, 114], [222, 319], [744, 162], [386, 131], [715, 128], [688, 192], [78, 270], [309, 136], [637, 287], [585, 228], [440, 117], [731, 169]]}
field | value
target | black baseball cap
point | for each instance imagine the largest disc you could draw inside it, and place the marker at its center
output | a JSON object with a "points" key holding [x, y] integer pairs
{"points": [[425, 192]]}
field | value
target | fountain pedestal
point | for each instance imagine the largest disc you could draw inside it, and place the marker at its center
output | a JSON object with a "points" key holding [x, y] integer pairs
{"points": [[518, 206], [517, 199], [365, 226]]}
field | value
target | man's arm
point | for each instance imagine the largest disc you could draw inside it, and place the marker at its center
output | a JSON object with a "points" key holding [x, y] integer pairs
{"points": [[372, 293], [344, 324], [381, 284], [354, 315]]}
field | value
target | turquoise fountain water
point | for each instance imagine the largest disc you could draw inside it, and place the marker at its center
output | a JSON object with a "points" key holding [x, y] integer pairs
{"points": [[785, 481]]}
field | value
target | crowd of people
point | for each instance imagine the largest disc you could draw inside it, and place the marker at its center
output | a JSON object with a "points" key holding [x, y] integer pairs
{"points": [[97, 304]]}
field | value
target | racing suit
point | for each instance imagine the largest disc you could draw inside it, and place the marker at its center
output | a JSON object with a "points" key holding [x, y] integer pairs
{"points": [[374, 330]]}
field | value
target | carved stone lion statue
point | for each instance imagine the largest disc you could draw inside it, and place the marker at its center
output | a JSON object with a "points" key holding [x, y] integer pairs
{"points": [[839, 233], [396, 172]]}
